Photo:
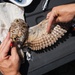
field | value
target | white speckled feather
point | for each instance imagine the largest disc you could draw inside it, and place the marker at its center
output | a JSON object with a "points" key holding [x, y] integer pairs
{"points": [[39, 38]]}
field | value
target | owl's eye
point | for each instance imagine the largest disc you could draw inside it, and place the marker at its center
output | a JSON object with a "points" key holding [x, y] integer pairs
{"points": [[14, 39], [17, 20]]}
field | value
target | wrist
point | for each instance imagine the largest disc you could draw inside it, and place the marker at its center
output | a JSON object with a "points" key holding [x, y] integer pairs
{"points": [[18, 73], [73, 8]]}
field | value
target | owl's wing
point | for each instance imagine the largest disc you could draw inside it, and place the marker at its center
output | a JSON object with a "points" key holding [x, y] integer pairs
{"points": [[39, 38]]}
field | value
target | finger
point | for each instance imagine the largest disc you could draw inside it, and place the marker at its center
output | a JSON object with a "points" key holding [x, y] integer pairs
{"points": [[48, 15], [7, 57], [14, 52], [50, 21], [7, 48], [5, 41]]}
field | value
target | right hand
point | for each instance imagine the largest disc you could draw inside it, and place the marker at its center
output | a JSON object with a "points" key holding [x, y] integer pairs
{"points": [[62, 13]]}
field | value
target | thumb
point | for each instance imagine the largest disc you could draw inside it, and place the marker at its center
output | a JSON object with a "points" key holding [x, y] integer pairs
{"points": [[48, 15], [14, 52]]}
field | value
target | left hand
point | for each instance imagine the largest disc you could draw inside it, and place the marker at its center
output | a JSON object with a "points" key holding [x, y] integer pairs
{"points": [[9, 64]]}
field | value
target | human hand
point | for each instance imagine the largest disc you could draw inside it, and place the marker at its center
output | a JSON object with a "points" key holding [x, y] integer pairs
{"points": [[9, 64], [62, 13]]}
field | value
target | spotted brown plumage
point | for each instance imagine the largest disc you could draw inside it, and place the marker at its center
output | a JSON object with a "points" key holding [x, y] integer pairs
{"points": [[18, 31], [36, 37]]}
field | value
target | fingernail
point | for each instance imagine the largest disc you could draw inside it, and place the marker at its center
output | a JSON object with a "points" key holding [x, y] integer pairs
{"points": [[11, 45]]}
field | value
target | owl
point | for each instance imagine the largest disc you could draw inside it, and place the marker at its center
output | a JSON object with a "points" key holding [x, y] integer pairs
{"points": [[36, 37]]}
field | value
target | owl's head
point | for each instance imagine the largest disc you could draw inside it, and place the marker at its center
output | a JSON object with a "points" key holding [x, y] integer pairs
{"points": [[18, 31]]}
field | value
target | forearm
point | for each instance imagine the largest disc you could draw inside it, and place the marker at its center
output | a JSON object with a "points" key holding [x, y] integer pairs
{"points": [[72, 9], [18, 73]]}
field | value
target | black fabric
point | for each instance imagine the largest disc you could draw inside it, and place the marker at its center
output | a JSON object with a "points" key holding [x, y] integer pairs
{"points": [[60, 53], [34, 13], [52, 57]]}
